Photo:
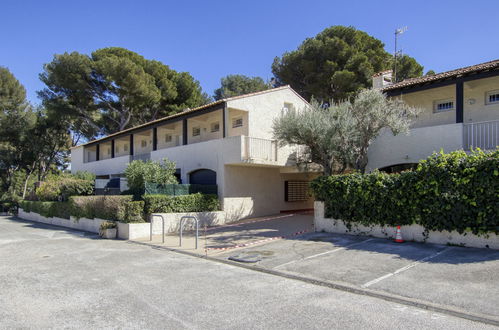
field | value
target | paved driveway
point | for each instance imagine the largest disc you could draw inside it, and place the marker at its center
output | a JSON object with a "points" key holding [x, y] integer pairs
{"points": [[56, 278], [463, 278], [240, 234]]}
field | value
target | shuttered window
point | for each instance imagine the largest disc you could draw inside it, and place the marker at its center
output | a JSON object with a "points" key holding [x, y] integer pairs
{"points": [[296, 191]]}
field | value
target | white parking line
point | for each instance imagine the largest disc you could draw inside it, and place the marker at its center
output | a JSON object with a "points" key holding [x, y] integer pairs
{"points": [[323, 253], [414, 264]]}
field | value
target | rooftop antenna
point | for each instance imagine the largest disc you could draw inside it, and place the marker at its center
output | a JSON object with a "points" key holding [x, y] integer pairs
{"points": [[398, 32]]}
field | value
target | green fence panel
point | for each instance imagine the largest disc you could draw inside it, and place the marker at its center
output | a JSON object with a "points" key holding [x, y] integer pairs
{"points": [[180, 189]]}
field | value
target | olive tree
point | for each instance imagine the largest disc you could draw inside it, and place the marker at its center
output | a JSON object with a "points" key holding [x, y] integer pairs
{"points": [[338, 135], [326, 131]]}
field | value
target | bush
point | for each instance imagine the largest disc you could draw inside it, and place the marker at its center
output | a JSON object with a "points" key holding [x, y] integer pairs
{"points": [[134, 212], [61, 188], [84, 175], [139, 172], [183, 203], [48, 209], [452, 191], [107, 225], [108, 207]]}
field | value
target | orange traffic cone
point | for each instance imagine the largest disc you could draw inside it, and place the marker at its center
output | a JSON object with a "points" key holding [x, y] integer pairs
{"points": [[398, 236]]}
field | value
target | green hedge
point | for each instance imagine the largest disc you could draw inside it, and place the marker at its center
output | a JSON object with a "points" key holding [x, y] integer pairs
{"points": [[62, 188], [183, 203], [452, 191], [108, 207], [48, 209], [134, 212], [117, 208]]}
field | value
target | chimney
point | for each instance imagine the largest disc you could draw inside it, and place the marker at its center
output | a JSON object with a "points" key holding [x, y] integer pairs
{"points": [[382, 79]]}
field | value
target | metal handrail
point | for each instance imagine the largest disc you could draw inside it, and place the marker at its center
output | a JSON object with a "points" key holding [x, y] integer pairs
{"points": [[162, 225], [182, 227]]}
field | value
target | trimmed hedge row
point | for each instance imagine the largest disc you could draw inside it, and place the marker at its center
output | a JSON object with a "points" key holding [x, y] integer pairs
{"points": [[48, 209], [183, 203], [117, 208], [455, 191], [122, 208]]}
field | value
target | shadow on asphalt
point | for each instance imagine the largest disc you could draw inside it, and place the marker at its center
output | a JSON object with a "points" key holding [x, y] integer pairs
{"points": [[39, 225], [408, 250]]}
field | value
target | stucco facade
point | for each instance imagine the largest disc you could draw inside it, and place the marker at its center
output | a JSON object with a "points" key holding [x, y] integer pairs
{"points": [[458, 110], [232, 138]]}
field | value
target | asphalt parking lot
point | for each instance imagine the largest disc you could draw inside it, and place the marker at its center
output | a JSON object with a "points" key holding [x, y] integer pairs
{"points": [[51, 277], [463, 278]]}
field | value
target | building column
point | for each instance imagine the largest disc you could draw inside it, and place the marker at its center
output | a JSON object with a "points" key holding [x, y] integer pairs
{"points": [[225, 119], [459, 102], [131, 144], [112, 148], [155, 139], [97, 151], [184, 132]]}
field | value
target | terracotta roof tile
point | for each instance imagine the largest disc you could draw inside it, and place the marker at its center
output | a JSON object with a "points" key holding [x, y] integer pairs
{"points": [[444, 75], [187, 111]]}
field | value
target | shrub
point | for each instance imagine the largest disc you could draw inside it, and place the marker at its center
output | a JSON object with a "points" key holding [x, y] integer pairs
{"points": [[48, 209], [84, 175], [452, 191], [109, 207], [183, 203], [139, 172], [61, 188], [134, 212], [107, 225]]}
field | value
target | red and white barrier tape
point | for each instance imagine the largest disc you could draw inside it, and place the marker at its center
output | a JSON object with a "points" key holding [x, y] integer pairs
{"points": [[260, 241]]}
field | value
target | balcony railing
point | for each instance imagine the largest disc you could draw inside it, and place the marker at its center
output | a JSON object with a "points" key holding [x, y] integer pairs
{"points": [[483, 135], [259, 149]]}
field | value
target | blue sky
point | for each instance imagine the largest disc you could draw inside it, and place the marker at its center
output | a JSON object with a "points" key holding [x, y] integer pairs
{"points": [[211, 39]]}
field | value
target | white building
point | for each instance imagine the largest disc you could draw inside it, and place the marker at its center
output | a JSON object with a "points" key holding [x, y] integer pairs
{"points": [[228, 143], [460, 110]]}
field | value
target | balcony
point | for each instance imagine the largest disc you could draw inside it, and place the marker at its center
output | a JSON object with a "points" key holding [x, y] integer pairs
{"points": [[389, 150], [483, 135], [258, 150]]}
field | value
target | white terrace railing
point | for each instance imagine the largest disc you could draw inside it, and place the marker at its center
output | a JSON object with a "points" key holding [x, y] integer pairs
{"points": [[483, 135], [259, 149]]}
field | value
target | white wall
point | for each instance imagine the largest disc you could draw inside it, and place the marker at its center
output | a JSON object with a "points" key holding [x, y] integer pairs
{"points": [[420, 143], [409, 232], [258, 191], [263, 108], [115, 165]]}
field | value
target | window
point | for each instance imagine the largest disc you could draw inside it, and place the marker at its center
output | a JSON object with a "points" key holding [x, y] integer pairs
{"points": [[125, 147], [215, 127], [237, 122], [168, 138], [196, 131], [143, 143], [296, 191], [492, 97], [288, 106], [443, 105]]}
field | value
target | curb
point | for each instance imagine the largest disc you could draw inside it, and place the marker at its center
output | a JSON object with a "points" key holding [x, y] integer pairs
{"points": [[448, 310]]}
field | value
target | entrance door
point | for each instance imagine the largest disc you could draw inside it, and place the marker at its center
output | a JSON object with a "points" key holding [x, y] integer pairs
{"points": [[203, 176]]}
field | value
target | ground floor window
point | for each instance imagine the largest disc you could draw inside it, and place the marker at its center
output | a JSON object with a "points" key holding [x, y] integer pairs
{"points": [[296, 191]]}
